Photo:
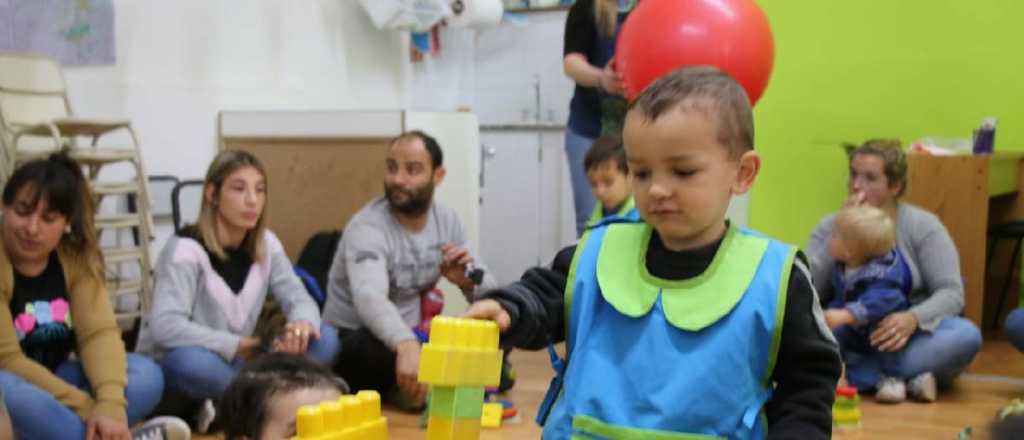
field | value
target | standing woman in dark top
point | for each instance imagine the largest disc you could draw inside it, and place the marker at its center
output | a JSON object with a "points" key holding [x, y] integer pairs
{"points": [[56, 304], [597, 107]]}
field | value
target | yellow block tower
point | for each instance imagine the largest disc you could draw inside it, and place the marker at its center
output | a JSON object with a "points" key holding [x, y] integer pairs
{"points": [[460, 360], [351, 417]]}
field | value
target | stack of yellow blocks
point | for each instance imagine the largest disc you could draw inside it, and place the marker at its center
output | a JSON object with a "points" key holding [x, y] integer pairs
{"points": [[461, 359], [351, 417]]}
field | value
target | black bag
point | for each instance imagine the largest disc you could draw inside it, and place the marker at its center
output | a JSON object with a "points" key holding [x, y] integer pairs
{"points": [[318, 254]]}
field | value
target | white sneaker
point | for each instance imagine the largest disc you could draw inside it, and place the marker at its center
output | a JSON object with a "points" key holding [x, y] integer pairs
{"points": [[923, 387], [162, 428], [205, 416], [891, 390]]}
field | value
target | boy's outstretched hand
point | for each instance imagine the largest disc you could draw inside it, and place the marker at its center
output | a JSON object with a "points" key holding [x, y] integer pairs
{"points": [[491, 310]]}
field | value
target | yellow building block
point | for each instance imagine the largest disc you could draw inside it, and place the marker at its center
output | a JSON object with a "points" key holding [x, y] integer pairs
{"points": [[351, 417], [309, 423], [491, 417], [846, 416], [446, 428], [461, 352]]}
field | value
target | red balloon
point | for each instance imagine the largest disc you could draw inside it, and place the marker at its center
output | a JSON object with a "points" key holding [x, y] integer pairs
{"points": [[663, 35]]}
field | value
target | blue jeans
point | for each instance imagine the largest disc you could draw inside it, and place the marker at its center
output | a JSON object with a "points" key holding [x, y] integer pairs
{"points": [[202, 374], [855, 344], [36, 414], [1014, 328], [326, 349], [576, 147], [944, 352]]}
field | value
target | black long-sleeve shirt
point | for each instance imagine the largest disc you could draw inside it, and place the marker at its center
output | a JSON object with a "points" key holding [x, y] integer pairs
{"points": [[807, 366]]}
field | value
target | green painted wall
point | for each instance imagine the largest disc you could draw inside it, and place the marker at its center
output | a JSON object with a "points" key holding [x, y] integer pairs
{"points": [[846, 71]]}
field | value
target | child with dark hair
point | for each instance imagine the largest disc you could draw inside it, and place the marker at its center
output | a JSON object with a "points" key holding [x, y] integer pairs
{"points": [[261, 402], [605, 164]]}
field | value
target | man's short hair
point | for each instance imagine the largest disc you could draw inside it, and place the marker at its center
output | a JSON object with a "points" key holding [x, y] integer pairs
{"points": [[433, 148]]}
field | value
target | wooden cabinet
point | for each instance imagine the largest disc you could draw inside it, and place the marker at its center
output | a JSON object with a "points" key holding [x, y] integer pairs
{"points": [[967, 193]]}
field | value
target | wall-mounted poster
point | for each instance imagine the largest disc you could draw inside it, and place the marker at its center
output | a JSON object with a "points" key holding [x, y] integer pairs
{"points": [[74, 32]]}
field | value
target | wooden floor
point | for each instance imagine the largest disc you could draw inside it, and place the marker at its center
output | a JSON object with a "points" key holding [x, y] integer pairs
{"points": [[995, 378]]}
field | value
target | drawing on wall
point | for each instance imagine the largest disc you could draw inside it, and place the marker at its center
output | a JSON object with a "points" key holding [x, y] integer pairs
{"points": [[74, 32]]}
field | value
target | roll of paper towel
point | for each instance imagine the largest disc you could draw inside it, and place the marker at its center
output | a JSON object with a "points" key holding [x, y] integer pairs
{"points": [[476, 13]]}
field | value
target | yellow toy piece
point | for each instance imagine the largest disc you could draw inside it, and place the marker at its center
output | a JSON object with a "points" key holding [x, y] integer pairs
{"points": [[351, 417], [461, 352], [446, 428], [846, 417], [491, 417]]}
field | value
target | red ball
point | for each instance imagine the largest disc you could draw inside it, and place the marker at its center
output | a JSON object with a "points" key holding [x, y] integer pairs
{"points": [[663, 35]]}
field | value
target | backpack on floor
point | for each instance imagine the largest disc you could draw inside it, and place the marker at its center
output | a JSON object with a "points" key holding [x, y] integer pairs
{"points": [[315, 263]]}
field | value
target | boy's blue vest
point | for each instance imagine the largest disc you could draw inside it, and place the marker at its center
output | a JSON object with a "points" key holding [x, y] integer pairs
{"points": [[650, 358], [627, 212]]}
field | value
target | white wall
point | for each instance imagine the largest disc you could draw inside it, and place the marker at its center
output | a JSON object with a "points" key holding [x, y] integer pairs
{"points": [[181, 62]]}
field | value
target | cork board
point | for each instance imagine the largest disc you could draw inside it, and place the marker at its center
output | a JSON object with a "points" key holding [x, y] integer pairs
{"points": [[315, 184]]}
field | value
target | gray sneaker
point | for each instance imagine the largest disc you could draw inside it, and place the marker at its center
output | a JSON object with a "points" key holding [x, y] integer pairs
{"points": [[162, 428], [205, 417], [923, 387], [891, 390]]}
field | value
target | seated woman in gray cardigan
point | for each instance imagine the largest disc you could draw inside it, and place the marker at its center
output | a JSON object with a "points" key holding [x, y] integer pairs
{"points": [[211, 281], [928, 345]]}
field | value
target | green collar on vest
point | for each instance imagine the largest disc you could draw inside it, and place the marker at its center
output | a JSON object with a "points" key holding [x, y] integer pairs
{"points": [[598, 214], [690, 304]]}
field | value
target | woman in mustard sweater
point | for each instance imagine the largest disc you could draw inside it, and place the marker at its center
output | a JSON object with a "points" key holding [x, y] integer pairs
{"points": [[56, 304]]}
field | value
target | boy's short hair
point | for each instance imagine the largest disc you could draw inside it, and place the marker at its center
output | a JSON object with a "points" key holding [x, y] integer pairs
{"points": [[867, 229], [604, 150], [710, 91]]}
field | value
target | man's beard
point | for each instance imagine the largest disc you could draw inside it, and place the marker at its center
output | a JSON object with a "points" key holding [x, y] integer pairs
{"points": [[417, 200]]}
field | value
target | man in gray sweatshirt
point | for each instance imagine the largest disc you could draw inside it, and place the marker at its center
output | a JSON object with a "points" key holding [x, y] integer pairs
{"points": [[393, 251]]}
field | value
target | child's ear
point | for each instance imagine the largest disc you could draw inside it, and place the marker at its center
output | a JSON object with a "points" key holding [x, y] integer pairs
{"points": [[749, 165]]}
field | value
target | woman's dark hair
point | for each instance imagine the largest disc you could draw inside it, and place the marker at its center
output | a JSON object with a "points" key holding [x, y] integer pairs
{"points": [[59, 182], [243, 408]]}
